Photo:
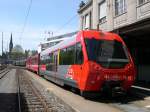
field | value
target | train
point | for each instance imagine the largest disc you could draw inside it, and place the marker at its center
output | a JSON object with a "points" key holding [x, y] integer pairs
{"points": [[32, 63], [92, 61], [21, 62]]}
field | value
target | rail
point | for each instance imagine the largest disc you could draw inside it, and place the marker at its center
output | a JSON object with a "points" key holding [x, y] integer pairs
{"points": [[141, 91], [30, 94], [3, 73], [141, 88], [18, 93], [2, 67]]}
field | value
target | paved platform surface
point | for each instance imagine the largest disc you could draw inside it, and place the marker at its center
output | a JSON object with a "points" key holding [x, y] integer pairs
{"points": [[8, 92], [77, 102], [131, 103]]}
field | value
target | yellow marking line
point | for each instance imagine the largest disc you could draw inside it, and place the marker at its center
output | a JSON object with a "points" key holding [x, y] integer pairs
{"points": [[148, 106], [138, 87]]}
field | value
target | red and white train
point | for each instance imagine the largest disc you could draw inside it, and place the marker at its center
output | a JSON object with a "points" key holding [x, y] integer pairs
{"points": [[91, 61], [32, 63]]}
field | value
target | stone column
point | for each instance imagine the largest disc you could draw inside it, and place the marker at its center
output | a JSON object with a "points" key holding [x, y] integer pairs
{"points": [[110, 14], [131, 11], [95, 14]]}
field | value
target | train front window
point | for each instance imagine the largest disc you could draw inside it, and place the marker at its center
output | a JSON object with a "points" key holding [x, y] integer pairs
{"points": [[108, 53]]}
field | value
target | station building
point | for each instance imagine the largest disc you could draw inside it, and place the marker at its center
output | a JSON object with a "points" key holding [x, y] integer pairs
{"points": [[130, 19]]}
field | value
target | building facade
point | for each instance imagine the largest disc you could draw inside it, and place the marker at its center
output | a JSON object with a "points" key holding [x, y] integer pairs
{"points": [[128, 18], [112, 14]]}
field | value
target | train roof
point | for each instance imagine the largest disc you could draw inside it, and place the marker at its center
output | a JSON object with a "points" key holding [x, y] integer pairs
{"points": [[21, 60], [34, 56], [56, 40], [86, 34], [59, 45]]}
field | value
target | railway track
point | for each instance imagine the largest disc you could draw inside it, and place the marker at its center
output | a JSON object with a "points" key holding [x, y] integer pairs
{"points": [[29, 98], [141, 91], [3, 73]]}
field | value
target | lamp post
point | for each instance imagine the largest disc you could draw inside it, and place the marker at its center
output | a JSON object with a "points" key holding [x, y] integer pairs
{"points": [[2, 43]]}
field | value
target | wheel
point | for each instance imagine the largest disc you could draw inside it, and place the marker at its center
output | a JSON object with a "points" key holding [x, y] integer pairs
{"points": [[90, 95], [84, 94]]}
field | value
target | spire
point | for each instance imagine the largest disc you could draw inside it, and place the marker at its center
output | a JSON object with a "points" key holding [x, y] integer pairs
{"points": [[10, 44]]}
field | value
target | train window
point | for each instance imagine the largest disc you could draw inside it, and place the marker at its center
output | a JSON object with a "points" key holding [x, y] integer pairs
{"points": [[41, 59], [67, 56], [71, 55], [110, 54], [48, 60], [51, 65], [79, 54], [62, 60], [51, 58]]}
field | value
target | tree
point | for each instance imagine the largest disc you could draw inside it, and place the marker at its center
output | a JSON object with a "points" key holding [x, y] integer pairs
{"points": [[27, 53], [17, 53]]}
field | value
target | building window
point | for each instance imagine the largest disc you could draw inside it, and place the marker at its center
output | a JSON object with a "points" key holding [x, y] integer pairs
{"points": [[87, 21], [102, 11], [120, 7], [82, 23], [87, 24], [141, 2]]}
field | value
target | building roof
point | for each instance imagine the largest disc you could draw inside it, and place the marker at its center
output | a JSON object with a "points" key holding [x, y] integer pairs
{"points": [[87, 4]]}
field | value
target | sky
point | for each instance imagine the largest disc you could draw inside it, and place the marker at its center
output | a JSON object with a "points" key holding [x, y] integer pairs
{"points": [[44, 16]]}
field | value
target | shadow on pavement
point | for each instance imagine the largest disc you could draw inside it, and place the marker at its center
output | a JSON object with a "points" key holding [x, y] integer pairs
{"points": [[123, 99], [9, 102]]}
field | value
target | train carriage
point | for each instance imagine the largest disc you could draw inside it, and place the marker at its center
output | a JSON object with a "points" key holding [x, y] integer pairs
{"points": [[21, 62], [32, 63], [91, 61]]}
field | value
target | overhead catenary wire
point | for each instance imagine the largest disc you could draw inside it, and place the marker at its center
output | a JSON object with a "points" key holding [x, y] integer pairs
{"points": [[26, 19], [57, 31], [65, 24], [68, 22]]}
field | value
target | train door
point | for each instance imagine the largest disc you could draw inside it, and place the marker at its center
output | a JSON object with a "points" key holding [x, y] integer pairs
{"points": [[55, 67], [55, 61], [38, 63], [79, 70]]}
